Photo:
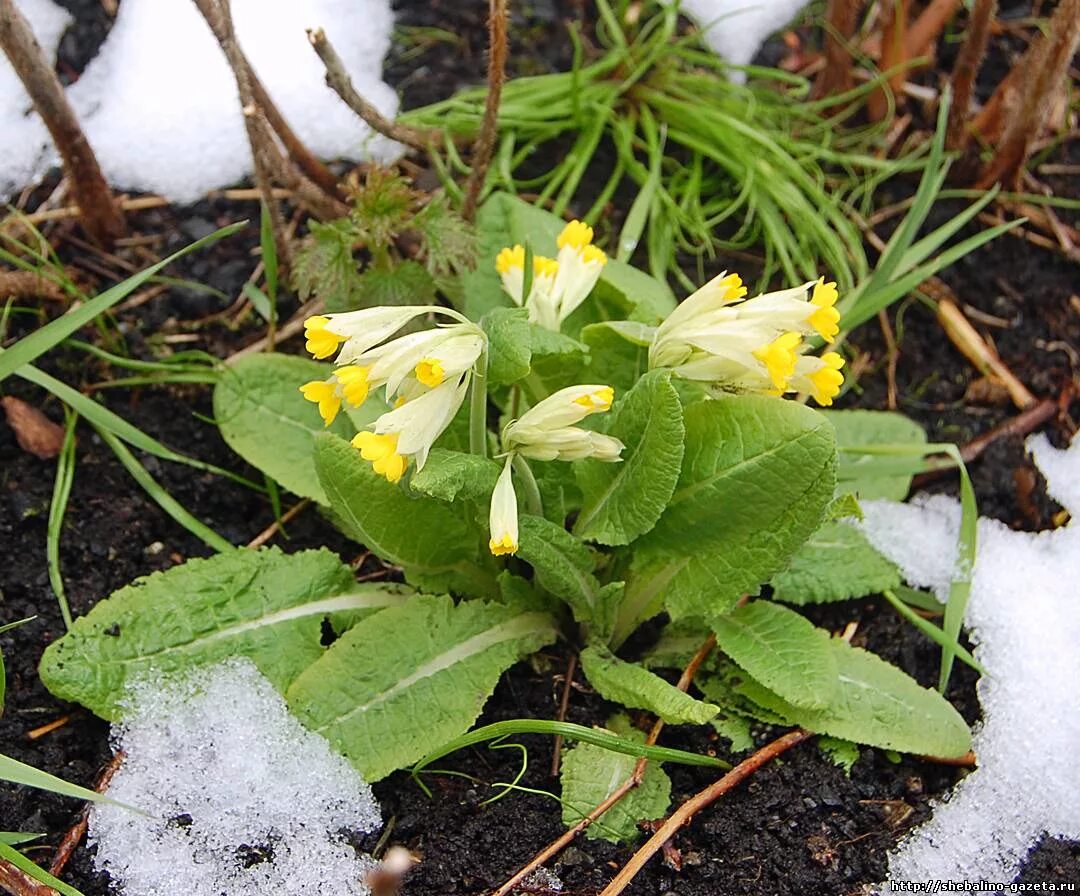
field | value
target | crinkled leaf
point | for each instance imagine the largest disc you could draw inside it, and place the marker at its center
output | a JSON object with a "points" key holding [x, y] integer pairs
{"points": [[875, 477], [780, 649], [427, 537], [836, 563], [719, 684], [677, 645], [557, 361], [448, 475], [264, 605], [405, 283], [841, 752], [325, 266], [410, 678], [558, 490], [563, 565], [613, 359], [633, 685], [876, 704], [623, 501], [509, 345], [590, 774], [736, 729], [264, 418], [757, 475]]}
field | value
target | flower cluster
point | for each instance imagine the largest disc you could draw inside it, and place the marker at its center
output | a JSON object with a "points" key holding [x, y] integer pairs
{"points": [[546, 432], [425, 374], [719, 337], [559, 285]]}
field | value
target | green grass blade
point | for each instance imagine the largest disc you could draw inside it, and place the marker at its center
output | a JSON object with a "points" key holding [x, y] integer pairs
{"points": [[41, 341], [931, 631], [163, 499], [20, 773], [65, 475], [14, 838], [35, 871]]}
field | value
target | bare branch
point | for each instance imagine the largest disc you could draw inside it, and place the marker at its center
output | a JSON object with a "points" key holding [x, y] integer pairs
{"points": [[100, 215], [485, 140]]}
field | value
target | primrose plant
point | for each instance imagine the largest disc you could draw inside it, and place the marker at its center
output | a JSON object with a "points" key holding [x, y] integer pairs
{"points": [[567, 452]]}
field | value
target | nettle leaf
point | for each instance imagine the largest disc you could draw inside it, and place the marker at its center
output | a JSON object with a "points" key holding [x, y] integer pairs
{"points": [[412, 677], [448, 475], [509, 345], [325, 265], [635, 686], [431, 540], [404, 283], [590, 774], [623, 501], [264, 418], [780, 649], [757, 475], [836, 563], [875, 477], [564, 566], [264, 605], [876, 704]]}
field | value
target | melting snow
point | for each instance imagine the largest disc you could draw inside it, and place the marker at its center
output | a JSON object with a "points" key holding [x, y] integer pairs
{"points": [[1024, 618], [159, 104], [736, 29], [241, 799]]}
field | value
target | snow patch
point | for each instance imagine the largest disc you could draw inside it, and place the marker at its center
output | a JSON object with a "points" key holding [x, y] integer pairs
{"points": [[736, 29], [25, 145], [160, 108], [1024, 619], [241, 798]]}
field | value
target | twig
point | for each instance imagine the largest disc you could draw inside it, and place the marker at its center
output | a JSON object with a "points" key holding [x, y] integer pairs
{"points": [[564, 705], [100, 216], [337, 78], [893, 355], [924, 31], [1020, 425], [29, 285], [19, 883], [271, 530], [966, 761], [294, 326], [48, 728], [966, 338], [968, 63], [893, 56], [264, 151], [695, 804], [841, 17], [485, 139], [74, 836], [635, 779]]}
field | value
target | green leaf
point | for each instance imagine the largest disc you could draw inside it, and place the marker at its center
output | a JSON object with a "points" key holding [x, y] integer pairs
{"points": [[26, 775], [757, 475], [509, 345], [613, 359], [841, 752], [866, 475], [623, 501], [590, 774], [780, 649], [564, 566], [325, 266], [409, 678], [264, 605], [409, 530], [557, 361], [40, 341], [264, 418], [406, 283], [736, 729], [719, 684], [836, 563], [635, 686], [448, 475], [876, 704]]}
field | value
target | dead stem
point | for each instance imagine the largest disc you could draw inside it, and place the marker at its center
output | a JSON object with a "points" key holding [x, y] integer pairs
{"points": [[564, 705], [924, 31], [74, 836], [264, 151], [271, 530], [485, 139], [99, 214], [290, 329], [967, 66], [695, 804], [19, 883], [636, 776], [894, 14], [841, 17], [966, 338], [29, 285], [337, 78], [893, 355]]}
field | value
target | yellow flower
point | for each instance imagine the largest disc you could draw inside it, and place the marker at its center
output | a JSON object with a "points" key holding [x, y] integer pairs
{"points": [[349, 383], [547, 431], [779, 358], [320, 341], [503, 515], [381, 450], [324, 394], [826, 319], [430, 372], [820, 377]]}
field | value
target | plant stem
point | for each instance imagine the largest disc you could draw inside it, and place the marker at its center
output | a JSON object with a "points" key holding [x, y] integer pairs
{"points": [[478, 406], [485, 140], [532, 491]]}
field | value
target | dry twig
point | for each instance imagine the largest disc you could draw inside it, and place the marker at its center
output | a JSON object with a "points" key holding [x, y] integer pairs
{"points": [[966, 68], [485, 140], [100, 216], [337, 78], [841, 17], [73, 837], [19, 883], [564, 705], [695, 804]]}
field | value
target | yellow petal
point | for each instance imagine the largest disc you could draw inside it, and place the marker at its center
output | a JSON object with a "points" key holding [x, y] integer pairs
{"points": [[779, 358], [510, 258], [320, 341], [597, 401], [827, 381], [325, 396], [430, 372], [506, 545], [577, 234], [354, 383]]}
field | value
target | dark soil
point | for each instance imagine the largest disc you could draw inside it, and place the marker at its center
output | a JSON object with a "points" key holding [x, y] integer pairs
{"points": [[800, 826]]}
